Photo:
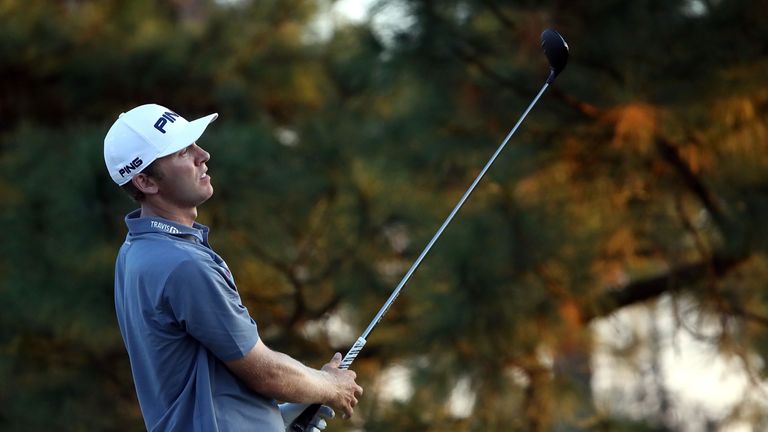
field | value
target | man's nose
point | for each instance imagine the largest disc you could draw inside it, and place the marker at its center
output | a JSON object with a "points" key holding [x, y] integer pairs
{"points": [[202, 155]]}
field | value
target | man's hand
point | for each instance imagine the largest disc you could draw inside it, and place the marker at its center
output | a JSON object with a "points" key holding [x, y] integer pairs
{"points": [[346, 390], [290, 411]]}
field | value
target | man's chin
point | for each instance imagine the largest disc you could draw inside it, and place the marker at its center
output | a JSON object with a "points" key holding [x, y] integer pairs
{"points": [[205, 197]]}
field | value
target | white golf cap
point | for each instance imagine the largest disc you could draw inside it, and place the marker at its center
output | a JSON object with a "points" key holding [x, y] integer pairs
{"points": [[146, 133]]}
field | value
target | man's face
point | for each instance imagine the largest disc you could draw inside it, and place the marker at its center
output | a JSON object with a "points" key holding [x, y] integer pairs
{"points": [[183, 180]]}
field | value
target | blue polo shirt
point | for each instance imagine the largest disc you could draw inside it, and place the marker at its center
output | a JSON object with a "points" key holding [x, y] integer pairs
{"points": [[181, 317]]}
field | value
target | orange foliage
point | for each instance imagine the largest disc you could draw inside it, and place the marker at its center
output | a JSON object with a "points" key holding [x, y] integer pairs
{"points": [[634, 126]]}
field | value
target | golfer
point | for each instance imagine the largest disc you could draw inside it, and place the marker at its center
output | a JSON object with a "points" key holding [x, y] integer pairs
{"points": [[197, 359]]}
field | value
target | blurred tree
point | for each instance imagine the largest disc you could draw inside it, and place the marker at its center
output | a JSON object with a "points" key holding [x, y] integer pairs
{"points": [[630, 200], [640, 174]]}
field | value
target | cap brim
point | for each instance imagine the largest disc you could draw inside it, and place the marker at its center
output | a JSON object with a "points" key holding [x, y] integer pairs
{"points": [[191, 133]]}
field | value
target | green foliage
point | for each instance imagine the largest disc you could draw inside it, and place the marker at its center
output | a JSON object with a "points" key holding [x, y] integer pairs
{"points": [[335, 160]]}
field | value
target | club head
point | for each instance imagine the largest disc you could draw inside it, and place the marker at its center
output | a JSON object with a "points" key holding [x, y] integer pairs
{"points": [[556, 50]]}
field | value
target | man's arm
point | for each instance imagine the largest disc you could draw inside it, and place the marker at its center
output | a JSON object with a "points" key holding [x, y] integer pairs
{"points": [[279, 376]]}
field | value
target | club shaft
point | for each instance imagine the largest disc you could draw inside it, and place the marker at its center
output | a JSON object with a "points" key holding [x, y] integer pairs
{"points": [[439, 232], [301, 424]]}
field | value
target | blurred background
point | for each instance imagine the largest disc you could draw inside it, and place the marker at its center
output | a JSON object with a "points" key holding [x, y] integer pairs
{"points": [[608, 274]]}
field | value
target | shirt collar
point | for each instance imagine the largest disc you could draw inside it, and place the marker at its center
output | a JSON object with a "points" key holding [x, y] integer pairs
{"points": [[153, 224]]}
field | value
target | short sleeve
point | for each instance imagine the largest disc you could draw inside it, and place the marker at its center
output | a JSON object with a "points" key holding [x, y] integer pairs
{"points": [[208, 307]]}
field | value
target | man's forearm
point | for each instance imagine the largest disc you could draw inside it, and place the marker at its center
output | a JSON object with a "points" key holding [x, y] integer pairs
{"points": [[280, 376]]}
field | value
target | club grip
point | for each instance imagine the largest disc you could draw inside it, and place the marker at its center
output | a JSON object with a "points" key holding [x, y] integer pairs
{"points": [[352, 353], [302, 422]]}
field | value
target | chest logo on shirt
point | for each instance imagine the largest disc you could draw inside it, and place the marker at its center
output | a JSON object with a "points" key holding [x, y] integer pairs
{"points": [[164, 227]]}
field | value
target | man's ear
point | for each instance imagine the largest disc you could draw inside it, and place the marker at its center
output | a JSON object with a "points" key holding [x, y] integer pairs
{"points": [[146, 184]]}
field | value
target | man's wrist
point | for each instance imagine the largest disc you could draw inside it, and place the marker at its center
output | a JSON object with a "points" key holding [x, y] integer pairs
{"points": [[328, 387]]}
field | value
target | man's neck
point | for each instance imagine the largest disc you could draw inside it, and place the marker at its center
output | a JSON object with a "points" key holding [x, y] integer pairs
{"points": [[184, 216]]}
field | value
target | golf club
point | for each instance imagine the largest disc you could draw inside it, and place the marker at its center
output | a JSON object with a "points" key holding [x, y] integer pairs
{"points": [[556, 51]]}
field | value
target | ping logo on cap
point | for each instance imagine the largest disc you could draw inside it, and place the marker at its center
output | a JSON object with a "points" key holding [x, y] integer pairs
{"points": [[136, 163], [168, 116]]}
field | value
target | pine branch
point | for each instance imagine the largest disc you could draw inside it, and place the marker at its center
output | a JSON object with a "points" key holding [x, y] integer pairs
{"points": [[676, 279], [499, 14], [672, 156], [737, 310], [469, 55]]}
